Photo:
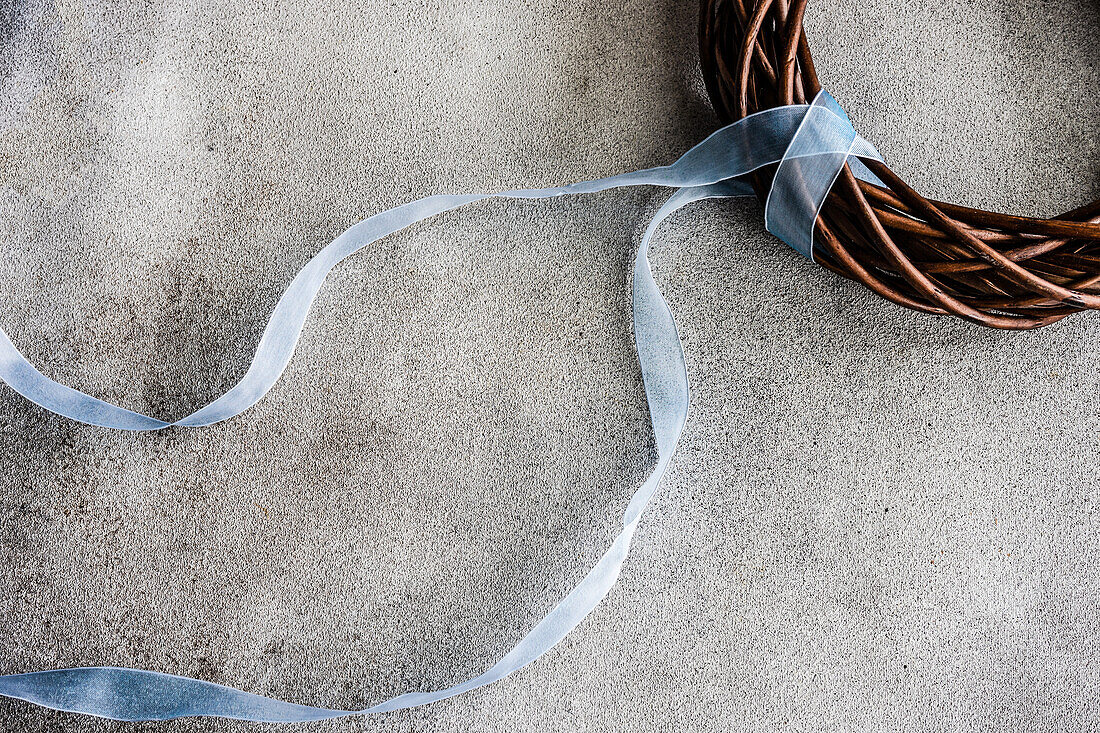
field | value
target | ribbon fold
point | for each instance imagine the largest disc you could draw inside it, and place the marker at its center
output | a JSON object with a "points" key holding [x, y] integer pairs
{"points": [[810, 143]]}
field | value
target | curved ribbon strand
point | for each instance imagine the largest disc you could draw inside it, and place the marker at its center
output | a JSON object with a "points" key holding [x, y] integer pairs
{"points": [[810, 142]]}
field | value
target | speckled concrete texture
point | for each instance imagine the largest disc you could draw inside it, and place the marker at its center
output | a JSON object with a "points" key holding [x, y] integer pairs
{"points": [[877, 520]]}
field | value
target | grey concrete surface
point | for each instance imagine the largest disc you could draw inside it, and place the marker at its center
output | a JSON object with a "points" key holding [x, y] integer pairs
{"points": [[878, 520]]}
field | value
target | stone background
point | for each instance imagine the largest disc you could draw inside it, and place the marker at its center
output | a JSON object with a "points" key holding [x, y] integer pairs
{"points": [[878, 520]]}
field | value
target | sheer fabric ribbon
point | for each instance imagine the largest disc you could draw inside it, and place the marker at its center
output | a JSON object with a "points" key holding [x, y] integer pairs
{"points": [[810, 143]]}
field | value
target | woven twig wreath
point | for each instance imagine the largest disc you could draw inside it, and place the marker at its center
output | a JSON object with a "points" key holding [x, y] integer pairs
{"points": [[998, 270]]}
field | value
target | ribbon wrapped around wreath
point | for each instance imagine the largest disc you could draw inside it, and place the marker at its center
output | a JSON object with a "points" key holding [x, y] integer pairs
{"points": [[810, 143]]}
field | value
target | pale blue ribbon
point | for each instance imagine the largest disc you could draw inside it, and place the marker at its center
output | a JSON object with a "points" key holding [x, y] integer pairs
{"points": [[811, 144]]}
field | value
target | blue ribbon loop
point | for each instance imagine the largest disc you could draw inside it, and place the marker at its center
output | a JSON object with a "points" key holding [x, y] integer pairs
{"points": [[811, 143], [810, 166]]}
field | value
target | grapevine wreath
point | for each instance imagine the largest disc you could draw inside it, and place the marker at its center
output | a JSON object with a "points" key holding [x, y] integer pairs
{"points": [[998, 270]]}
